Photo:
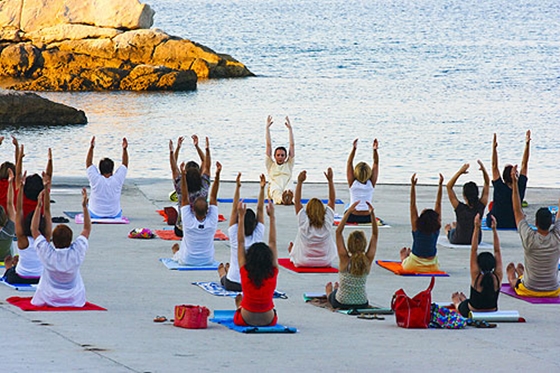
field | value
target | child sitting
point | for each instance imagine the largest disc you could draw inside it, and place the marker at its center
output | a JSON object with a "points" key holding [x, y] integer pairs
{"points": [[355, 264], [61, 284]]}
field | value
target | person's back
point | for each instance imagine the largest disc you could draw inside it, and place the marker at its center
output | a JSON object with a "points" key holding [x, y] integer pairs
{"points": [[314, 246], [502, 208], [197, 245], [257, 235]]}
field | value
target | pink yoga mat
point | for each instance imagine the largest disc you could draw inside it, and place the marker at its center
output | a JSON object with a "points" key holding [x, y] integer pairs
{"points": [[508, 290], [25, 304], [286, 263]]}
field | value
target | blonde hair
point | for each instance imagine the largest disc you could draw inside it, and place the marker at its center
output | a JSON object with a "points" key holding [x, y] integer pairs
{"points": [[315, 212], [357, 243], [362, 172]]}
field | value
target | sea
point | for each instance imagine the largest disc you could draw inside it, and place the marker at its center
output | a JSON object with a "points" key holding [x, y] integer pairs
{"points": [[432, 80]]}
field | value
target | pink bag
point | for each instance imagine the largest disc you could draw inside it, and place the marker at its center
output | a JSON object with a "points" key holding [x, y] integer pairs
{"points": [[191, 317]]}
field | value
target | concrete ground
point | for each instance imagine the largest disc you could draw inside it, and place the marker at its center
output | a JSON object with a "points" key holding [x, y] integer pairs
{"points": [[125, 276]]}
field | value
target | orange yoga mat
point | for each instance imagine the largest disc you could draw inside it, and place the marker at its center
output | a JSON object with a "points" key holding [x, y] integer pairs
{"points": [[169, 234], [396, 268]]}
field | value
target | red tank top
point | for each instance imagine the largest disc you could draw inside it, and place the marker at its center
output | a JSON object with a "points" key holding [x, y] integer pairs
{"points": [[257, 300]]}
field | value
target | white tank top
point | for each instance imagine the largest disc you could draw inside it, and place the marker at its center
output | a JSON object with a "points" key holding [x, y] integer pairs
{"points": [[29, 264], [361, 192]]}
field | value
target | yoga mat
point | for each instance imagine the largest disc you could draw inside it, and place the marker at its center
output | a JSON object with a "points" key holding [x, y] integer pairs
{"points": [[255, 200], [215, 288], [221, 217], [19, 287], [171, 264], [25, 304], [71, 214], [486, 228], [79, 219], [2, 265], [320, 300], [508, 290], [169, 234], [380, 223], [443, 241], [396, 268], [286, 263], [225, 318], [497, 316]]}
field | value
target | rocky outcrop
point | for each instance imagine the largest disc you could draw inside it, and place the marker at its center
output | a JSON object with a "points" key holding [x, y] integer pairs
{"points": [[97, 45], [17, 108]]}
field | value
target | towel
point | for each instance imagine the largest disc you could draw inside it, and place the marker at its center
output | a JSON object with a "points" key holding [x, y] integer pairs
{"points": [[25, 304], [171, 264], [225, 317], [286, 263], [217, 289], [79, 219], [443, 241], [396, 268]]}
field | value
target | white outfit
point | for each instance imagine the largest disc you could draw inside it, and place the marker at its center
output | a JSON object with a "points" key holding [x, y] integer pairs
{"points": [[197, 245], [61, 284], [105, 198], [314, 247], [29, 264], [257, 236], [361, 192], [279, 176]]}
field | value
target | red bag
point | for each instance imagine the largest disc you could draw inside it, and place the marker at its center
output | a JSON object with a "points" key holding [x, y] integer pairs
{"points": [[191, 317], [413, 312]]}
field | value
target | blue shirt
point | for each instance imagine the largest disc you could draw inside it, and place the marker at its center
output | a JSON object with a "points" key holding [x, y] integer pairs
{"points": [[424, 245]]}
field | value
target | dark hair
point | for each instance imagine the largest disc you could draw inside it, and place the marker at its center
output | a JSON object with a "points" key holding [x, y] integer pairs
{"points": [[33, 186], [62, 236], [486, 263], [470, 191], [250, 222], [543, 218], [258, 263], [194, 180], [192, 164], [428, 222], [280, 148], [106, 166], [506, 175], [200, 206], [4, 167], [27, 224]]}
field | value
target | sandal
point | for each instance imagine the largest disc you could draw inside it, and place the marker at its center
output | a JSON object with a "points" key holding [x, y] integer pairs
{"points": [[160, 319], [483, 324], [366, 316]]}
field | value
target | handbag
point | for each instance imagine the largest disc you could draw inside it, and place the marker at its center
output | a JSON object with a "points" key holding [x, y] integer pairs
{"points": [[191, 317], [413, 312]]}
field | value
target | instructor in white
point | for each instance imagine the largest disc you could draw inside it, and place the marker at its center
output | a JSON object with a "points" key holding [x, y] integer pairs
{"points": [[106, 186]]}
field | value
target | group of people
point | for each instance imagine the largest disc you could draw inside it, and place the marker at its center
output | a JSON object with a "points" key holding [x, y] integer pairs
{"points": [[253, 265]]}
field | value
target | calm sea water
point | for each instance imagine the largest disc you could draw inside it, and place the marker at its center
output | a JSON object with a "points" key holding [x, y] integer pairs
{"points": [[431, 79]]}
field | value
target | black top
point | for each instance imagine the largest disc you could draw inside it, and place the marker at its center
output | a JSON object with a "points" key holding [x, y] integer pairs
{"points": [[502, 207], [486, 299], [462, 234]]}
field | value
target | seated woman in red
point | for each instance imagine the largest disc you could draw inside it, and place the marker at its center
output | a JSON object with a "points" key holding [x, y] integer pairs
{"points": [[259, 271]]}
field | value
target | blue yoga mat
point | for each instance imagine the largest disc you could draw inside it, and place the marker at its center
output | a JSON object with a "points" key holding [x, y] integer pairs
{"points": [[19, 287], [171, 264], [225, 318], [254, 200]]}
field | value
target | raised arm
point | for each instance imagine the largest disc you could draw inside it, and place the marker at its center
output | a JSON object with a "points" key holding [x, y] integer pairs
{"points": [[475, 270], [375, 168], [332, 192], [177, 149], [451, 183], [10, 208], [205, 167], [372, 248], [499, 269], [267, 136], [87, 219], [175, 171], [525, 161], [486, 187], [495, 169], [184, 187], [340, 245], [22, 241], [47, 205], [234, 207], [89, 157], [297, 196], [413, 208], [216, 185], [125, 152], [272, 232], [16, 148], [19, 166], [437, 207], [260, 203], [241, 209], [49, 168], [199, 151], [515, 198], [350, 164], [292, 150], [37, 216]]}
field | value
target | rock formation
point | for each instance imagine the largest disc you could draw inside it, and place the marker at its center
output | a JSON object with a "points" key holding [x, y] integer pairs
{"points": [[77, 45], [18, 108]]}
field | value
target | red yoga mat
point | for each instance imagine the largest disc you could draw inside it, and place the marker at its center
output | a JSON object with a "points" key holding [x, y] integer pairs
{"points": [[286, 263], [25, 304]]}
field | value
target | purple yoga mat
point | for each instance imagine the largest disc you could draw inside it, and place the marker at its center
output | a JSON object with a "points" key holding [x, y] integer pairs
{"points": [[507, 289]]}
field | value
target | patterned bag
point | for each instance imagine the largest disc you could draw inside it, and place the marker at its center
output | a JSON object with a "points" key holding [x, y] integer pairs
{"points": [[444, 318]]}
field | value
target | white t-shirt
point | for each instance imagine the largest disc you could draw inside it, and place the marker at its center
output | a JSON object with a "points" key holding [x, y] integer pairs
{"points": [[197, 245], [61, 283], [361, 192], [105, 198], [29, 264], [257, 236], [314, 247]]}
